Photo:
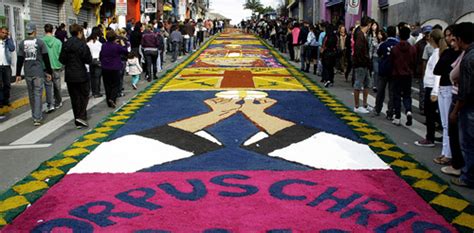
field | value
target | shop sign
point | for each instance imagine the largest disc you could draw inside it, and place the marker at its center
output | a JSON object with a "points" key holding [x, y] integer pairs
{"points": [[150, 6], [121, 7], [353, 7]]}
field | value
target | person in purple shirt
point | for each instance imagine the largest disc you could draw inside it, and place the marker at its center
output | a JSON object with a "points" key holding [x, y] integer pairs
{"points": [[110, 59]]}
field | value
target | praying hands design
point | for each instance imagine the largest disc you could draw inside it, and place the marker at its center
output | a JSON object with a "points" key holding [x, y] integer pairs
{"points": [[222, 108]]}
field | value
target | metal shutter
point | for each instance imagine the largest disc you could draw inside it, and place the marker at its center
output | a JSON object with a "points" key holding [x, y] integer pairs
{"points": [[50, 12], [83, 16]]}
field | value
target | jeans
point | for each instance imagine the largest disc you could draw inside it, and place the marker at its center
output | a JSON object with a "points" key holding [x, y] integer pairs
{"points": [[53, 89], [175, 49], [444, 102], [5, 85], [95, 73], [457, 160], [402, 90], [191, 44], [466, 136], [150, 60], [186, 45], [375, 74], [35, 91], [383, 81], [430, 114]]}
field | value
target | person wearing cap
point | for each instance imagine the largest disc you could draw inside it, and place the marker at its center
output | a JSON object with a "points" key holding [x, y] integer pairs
{"points": [[33, 53]]}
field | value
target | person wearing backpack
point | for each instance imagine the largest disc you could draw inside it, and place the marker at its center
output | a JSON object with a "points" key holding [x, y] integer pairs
{"points": [[385, 70]]}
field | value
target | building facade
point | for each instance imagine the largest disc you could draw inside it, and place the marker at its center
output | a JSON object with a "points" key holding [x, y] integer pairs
{"points": [[386, 12]]}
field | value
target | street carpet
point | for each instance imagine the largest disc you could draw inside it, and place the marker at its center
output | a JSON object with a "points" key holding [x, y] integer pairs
{"points": [[234, 139]]}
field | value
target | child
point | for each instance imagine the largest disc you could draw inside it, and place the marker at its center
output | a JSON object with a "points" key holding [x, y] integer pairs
{"points": [[133, 68]]}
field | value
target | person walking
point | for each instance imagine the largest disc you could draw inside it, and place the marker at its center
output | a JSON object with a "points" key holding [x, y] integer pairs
{"points": [[111, 61], [75, 55], [176, 39], [150, 51], [421, 63], [464, 109], [53, 87], [95, 68], [134, 69], [7, 46], [136, 39], [385, 73], [403, 58], [361, 63], [329, 56], [122, 40], [33, 53]]}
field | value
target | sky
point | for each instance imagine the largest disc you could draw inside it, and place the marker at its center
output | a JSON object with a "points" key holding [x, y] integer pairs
{"points": [[234, 9]]}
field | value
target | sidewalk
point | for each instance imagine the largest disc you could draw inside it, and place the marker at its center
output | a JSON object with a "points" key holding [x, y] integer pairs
{"points": [[19, 91]]}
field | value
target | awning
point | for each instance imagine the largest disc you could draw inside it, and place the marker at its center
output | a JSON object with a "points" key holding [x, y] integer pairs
{"points": [[331, 3], [95, 1], [167, 7]]}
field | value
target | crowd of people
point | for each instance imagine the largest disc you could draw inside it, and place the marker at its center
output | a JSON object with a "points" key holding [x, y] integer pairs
{"points": [[94, 59], [388, 61]]}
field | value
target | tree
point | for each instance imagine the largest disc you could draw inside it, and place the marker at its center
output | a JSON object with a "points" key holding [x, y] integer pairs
{"points": [[253, 5]]}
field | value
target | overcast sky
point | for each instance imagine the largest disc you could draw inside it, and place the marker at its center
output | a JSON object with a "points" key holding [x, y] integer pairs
{"points": [[234, 9]]}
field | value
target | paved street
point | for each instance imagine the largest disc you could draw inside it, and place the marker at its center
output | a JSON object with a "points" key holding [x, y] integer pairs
{"points": [[24, 147], [233, 139]]}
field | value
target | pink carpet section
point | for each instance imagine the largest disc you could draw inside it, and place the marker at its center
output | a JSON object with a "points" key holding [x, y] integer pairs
{"points": [[238, 201]]}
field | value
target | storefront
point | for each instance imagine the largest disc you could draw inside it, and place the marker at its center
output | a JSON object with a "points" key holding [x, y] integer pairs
{"points": [[51, 12], [336, 10]]}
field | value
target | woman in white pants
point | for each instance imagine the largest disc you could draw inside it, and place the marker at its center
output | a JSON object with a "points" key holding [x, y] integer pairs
{"points": [[444, 88]]}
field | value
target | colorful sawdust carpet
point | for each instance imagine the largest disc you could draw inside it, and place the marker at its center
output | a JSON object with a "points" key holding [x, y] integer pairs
{"points": [[233, 140]]}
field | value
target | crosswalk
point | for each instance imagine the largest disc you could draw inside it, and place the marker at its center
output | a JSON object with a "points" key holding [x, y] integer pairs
{"points": [[31, 139]]}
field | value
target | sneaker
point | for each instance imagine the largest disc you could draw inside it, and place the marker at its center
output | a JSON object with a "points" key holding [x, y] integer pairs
{"points": [[134, 86], [58, 106], [370, 109], [50, 109], [397, 122], [98, 96], [389, 117], [2, 117], [449, 170], [459, 182], [361, 110], [327, 84], [409, 119], [425, 143], [36, 122], [81, 123]]}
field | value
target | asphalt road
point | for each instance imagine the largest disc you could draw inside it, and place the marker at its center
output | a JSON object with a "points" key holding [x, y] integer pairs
{"points": [[23, 147]]}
